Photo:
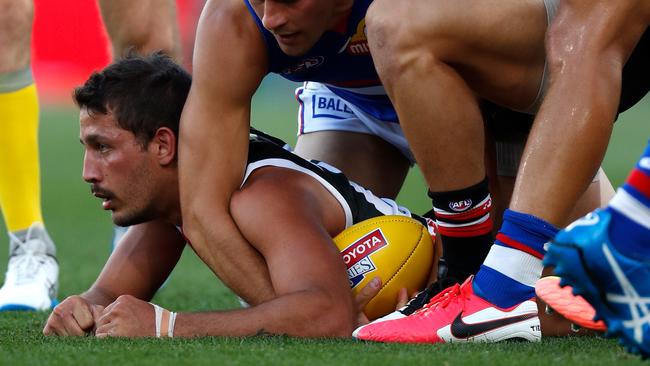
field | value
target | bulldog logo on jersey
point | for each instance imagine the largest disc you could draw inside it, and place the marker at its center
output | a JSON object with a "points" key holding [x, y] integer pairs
{"points": [[304, 65], [357, 256], [358, 45]]}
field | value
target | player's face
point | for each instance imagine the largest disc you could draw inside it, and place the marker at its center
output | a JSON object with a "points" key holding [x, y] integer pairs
{"points": [[298, 24], [118, 169]]}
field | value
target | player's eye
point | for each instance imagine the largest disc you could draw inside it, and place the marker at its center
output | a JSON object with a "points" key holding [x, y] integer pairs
{"points": [[103, 148]]}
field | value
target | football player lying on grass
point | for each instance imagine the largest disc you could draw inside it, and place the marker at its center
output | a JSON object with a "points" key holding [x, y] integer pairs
{"points": [[287, 211]]}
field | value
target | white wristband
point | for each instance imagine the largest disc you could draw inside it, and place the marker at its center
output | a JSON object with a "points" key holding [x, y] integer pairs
{"points": [[172, 323], [165, 321]]}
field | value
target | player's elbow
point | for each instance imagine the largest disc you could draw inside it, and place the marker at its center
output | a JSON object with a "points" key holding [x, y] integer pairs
{"points": [[387, 38], [338, 323], [199, 219], [191, 220], [328, 317]]}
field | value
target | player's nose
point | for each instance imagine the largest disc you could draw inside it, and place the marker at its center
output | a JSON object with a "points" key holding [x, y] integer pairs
{"points": [[90, 172], [274, 16]]}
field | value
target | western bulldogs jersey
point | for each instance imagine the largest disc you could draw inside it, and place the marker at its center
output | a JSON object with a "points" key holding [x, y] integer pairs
{"points": [[340, 60], [358, 203]]}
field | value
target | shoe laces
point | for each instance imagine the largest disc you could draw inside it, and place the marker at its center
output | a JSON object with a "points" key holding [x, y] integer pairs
{"points": [[443, 299], [423, 297], [25, 266]]}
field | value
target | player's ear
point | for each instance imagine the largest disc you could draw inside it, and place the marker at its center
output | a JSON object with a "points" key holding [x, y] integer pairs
{"points": [[165, 145]]}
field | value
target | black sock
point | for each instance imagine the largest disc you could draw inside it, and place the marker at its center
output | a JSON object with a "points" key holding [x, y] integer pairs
{"points": [[465, 226]]}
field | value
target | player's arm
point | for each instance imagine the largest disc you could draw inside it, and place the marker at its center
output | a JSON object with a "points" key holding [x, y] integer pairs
{"points": [[140, 264], [138, 267], [289, 218], [229, 64]]}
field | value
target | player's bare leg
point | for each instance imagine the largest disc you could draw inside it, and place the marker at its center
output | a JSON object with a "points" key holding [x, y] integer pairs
{"points": [[147, 25], [434, 60], [365, 159], [582, 100], [572, 130], [523, 235], [435, 68], [446, 57], [32, 276], [597, 194]]}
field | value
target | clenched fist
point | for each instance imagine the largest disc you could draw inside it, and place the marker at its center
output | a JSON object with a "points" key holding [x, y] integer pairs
{"points": [[75, 316], [127, 317]]}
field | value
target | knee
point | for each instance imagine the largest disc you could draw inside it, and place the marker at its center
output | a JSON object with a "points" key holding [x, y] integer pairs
{"points": [[405, 34], [564, 42], [15, 34], [329, 317], [389, 29], [578, 38], [383, 26]]}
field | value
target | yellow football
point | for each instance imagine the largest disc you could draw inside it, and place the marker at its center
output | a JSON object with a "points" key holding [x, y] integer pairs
{"points": [[398, 249]]}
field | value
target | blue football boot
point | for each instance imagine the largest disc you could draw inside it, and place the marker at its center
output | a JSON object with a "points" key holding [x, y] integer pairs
{"points": [[617, 286]]}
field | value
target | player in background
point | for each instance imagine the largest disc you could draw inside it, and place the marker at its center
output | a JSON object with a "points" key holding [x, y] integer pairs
{"points": [[147, 26], [31, 279], [496, 51], [286, 208]]}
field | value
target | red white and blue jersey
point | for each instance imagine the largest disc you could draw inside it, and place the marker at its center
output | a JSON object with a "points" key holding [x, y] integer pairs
{"points": [[340, 60]]}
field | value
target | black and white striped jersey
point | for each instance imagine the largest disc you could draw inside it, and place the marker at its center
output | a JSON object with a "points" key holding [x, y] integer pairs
{"points": [[358, 203]]}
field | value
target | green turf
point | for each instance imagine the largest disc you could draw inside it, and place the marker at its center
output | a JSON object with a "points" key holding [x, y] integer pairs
{"points": [[82, 232], [29, 347]]}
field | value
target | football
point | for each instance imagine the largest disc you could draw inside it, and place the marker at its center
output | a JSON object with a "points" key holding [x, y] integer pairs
{"points": [[397, 249]]}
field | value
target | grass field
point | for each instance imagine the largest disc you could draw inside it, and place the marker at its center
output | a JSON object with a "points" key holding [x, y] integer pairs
{"points": [[82, 232]]}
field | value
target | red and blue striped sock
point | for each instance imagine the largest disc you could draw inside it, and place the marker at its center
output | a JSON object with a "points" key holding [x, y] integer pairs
{"points": [[630, 226], [514, 263]]}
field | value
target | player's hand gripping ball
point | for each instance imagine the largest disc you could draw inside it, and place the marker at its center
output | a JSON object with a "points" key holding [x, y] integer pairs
{"points": [[397, 249]]}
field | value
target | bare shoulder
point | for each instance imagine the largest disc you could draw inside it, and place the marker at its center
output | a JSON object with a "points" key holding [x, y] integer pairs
{"points": [[276, 192], [230, 17], [274, 183], [285, 196], [230, 57]]}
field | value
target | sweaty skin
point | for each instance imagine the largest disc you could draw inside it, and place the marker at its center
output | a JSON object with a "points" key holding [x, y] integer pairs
{"points": [[588, 44], [451, 54]]}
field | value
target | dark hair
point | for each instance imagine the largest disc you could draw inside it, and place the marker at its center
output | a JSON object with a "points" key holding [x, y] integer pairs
{"points": [[143, 92]]}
